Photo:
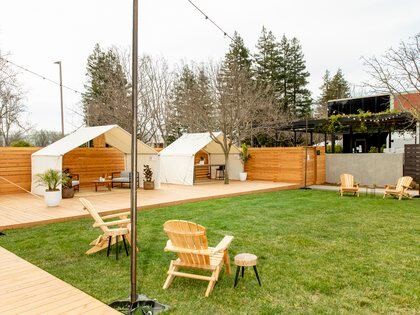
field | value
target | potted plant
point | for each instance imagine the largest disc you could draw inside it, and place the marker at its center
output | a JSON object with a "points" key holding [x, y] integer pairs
{"points": [[51, 179], [67, 187], [148, 183], [244, 156]]}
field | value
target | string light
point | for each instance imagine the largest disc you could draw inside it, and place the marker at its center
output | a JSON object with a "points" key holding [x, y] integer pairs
{"points": [[210, 20], [41, 76]]}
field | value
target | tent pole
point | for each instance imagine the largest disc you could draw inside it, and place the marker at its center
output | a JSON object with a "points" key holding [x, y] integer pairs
{"points": [[133, 192]]}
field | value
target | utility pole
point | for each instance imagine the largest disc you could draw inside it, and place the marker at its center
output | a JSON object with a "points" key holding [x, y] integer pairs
{"points": [[61, 97], [133, 195]]}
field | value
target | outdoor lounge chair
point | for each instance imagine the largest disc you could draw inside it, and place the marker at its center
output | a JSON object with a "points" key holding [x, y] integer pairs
{"points": [[188, 240], [123, 178], [110, 236], [347, 185], [401, 189]]}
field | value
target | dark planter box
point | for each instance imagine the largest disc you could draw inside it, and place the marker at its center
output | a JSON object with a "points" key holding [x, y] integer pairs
{"points": [[149, 185], [67, 192]]}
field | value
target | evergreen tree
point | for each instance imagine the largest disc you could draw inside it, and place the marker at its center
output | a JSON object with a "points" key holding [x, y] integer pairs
{"points": [[293, 77], [300, 96], [266, 61], [332, 88], [107, 96]]}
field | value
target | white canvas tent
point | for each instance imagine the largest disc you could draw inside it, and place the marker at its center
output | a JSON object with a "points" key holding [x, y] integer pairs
{"points": [[177, 159], [52, 155]]}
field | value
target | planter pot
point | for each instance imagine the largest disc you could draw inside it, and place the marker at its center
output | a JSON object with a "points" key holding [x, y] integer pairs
{"points": [[242, 176], [68, 192], [52, 198], [149, 185]]}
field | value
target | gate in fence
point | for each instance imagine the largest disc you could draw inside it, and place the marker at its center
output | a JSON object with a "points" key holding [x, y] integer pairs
{"points": [[412, 161]]}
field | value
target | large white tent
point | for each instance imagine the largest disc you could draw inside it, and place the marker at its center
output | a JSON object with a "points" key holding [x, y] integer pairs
{"points": [[177, 159], [51, 157]]}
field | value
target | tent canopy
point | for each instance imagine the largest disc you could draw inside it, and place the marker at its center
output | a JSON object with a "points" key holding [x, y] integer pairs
{"points": [[177, 160], [115, 136], [51, 157], [191, 143]]}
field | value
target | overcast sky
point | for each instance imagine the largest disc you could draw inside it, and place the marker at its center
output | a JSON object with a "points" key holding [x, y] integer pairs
{"points": [[333, 34]]}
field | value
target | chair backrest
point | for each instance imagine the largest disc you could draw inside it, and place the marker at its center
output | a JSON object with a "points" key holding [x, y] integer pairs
{"points": [[188, 235], [347, 180], [403, 182], [92, 211], [125, 174]]}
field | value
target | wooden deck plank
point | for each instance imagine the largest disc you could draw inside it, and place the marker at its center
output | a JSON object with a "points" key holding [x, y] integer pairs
{"points": [[31, 290], [25, 210]]}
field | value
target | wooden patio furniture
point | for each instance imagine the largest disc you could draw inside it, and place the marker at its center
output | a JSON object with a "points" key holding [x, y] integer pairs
{"points": [[347, 185], [401, 189], [103, 183], [109, 236], [189, 241]]}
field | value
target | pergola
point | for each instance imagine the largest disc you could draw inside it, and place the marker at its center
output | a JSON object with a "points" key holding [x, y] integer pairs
{"points": [[380, 122]]}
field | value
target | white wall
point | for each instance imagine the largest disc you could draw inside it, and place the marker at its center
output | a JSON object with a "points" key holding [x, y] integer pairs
{"points": [[367, 168], [235, 165], [177, 169], [144, 159]]}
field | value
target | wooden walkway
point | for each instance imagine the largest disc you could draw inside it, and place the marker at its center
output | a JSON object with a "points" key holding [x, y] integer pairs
{"points": [[24, 210], [27, 289]]}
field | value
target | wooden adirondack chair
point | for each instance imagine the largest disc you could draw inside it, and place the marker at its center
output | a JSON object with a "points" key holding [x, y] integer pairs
{"points": [[110, 236], [188, 240], [347, 185], [401, 189]]}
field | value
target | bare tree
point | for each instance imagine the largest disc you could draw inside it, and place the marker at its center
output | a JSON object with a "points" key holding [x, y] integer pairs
{"points": [[213, 101], [398, 72], [11, 105], [154, 87]]}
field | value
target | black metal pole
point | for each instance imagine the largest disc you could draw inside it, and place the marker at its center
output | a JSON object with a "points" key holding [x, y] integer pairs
{"points": [[133, 192]]}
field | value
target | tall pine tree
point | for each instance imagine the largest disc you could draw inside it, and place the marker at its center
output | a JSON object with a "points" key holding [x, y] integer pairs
{"points": [[266, 62], [331, 88], [106, 99]]}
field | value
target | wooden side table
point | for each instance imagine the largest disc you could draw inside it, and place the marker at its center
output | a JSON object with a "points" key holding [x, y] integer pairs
{"points": [[245, 260], [106, 183]]}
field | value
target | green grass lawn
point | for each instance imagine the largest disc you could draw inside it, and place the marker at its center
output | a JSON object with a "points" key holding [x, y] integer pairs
{"points": [[318, 253]]}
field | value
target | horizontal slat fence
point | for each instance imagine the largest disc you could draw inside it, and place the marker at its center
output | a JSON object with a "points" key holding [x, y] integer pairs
{"points": [[89, 163], [15, 165], [286, 164]]}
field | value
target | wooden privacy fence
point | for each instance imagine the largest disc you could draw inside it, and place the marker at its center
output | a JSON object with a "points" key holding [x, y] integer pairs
{"points": [[286, 164], [89, 163]]}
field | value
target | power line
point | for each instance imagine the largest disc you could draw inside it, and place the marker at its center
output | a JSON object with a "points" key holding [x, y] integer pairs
{"points": [[41, 76], [210, 20]]}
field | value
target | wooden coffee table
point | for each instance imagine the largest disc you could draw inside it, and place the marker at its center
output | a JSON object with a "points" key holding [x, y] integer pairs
{"points": [[107, 183]]}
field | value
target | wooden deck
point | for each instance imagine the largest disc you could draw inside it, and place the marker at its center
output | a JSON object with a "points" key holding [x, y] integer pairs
{"points": [[27, 289], [24, 210]]}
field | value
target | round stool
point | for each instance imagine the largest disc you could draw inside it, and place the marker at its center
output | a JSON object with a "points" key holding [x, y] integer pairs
{"points": [[245, 260]]}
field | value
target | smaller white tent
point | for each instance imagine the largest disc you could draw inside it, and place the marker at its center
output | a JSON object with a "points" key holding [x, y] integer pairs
{"points": [[177, 159], [52, 155]]}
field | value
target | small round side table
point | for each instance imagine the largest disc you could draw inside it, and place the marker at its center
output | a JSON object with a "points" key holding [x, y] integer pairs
{"points": [[245, 260]]}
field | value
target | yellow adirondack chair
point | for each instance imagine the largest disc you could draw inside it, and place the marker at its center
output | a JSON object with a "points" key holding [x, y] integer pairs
{"points": [[347, 185], [401, 190], [188, 240], [110, 236]]}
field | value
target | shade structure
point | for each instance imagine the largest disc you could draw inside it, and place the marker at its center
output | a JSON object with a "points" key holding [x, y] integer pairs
{"points": [[177, 159], [51, 157]]}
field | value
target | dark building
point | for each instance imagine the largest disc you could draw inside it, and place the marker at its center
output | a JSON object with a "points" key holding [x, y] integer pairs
{"points": [[364, 123]]}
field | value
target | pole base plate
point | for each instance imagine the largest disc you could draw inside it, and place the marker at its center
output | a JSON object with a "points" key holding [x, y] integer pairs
{"points": [[143, 306]]}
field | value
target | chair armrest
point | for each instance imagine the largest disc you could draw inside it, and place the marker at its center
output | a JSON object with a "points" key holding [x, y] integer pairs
{"points": [[116, 215], [114, 173], [224, 244], [112, 223], [356, 185], [170, 248]]}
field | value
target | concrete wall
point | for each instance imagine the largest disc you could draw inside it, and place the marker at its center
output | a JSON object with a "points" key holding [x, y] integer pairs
{"points": [[367, 168]]}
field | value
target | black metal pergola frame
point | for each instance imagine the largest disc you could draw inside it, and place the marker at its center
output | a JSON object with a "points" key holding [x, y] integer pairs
{"points": [[386, 122]]}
